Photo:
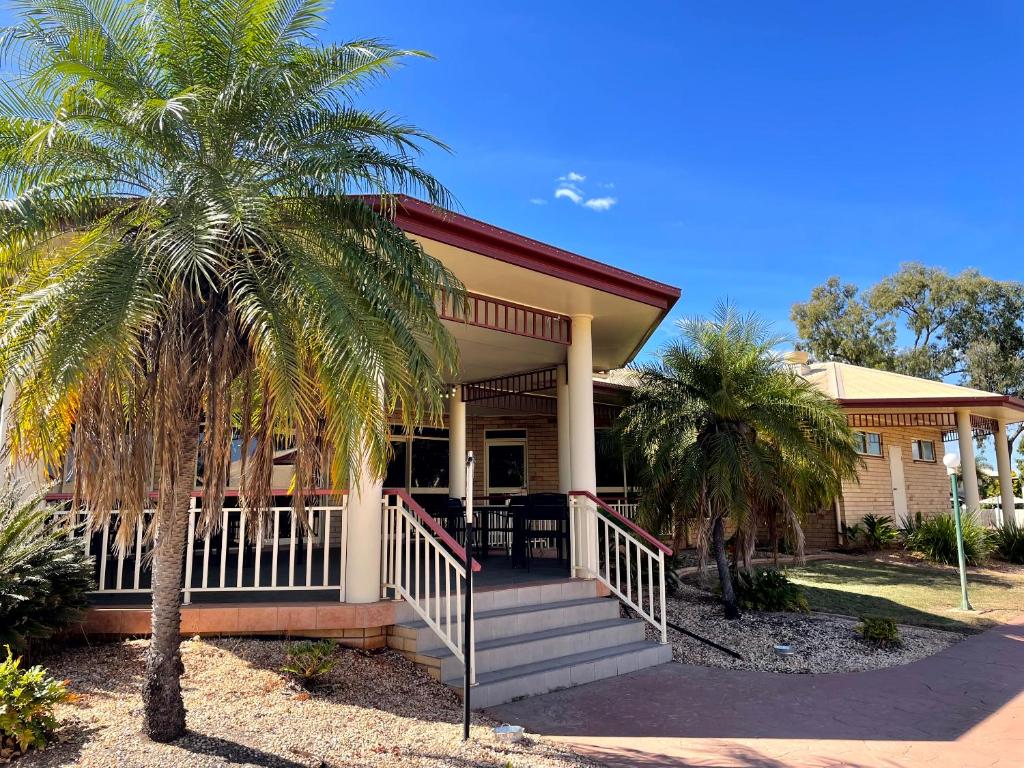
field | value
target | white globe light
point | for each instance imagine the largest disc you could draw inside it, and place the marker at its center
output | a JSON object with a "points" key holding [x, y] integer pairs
{"points": [[952, 461]]}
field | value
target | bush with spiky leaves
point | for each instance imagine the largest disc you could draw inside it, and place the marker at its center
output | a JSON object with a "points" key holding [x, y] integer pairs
{"points": [[1008, 541], [935, 538], [44, 575]]}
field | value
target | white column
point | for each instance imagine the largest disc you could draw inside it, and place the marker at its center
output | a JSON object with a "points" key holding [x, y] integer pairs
{"points": [[1005, 475], [968, 468], [456, 445], [582, 461], [564, 432], [365, 518]]}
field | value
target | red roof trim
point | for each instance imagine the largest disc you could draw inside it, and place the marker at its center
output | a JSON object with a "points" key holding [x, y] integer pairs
{"points": [[420, 218], [932, 402]]}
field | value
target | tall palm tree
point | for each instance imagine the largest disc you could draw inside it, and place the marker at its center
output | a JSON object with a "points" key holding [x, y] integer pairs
{"points": [[184, 264], [727, 431]]}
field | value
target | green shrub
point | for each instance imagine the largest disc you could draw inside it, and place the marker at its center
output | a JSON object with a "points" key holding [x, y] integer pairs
{"points": [[936, 539], [851, 534], [909, 526], [1008, 541], [879, 632], [879, 531], [769, 590], [44, 575], [311, 661], [27, 698]]}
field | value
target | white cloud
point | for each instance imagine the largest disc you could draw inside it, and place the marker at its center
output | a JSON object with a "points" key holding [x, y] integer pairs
{"points": [[600, 203], [538, 201], [572, 176], [569, 194]]}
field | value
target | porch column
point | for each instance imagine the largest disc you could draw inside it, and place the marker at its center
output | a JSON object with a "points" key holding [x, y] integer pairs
{"points": [[968, 468], [365, 513], [456, 445], [1005, 475], [564, 432], [582, 461]]}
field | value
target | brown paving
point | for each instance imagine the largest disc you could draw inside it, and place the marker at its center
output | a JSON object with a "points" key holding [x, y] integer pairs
{"points": [[963, 707]]}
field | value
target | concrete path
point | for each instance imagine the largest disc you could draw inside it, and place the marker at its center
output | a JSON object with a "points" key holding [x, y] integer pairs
{"points": [[961, 708]]}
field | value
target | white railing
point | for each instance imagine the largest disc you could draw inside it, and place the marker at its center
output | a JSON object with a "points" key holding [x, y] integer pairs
{"points": [[627, 509], [625, 558], [281, 554], [426, 567]]}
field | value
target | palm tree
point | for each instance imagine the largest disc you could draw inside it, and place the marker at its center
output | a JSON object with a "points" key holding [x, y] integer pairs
{"points": [[726, 431], [184, 264]]}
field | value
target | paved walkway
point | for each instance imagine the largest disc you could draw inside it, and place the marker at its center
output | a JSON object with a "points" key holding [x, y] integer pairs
{"points": [[962, 708]]}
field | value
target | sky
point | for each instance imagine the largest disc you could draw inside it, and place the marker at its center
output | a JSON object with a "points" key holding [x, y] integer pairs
{"points": [[736, 150], [740, 150]]}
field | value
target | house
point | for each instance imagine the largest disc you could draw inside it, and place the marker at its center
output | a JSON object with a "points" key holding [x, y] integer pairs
{"points": [[902, 425], [381, 563]]}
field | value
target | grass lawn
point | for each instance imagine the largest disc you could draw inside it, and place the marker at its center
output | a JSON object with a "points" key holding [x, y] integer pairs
{"points": [[913, 592]]}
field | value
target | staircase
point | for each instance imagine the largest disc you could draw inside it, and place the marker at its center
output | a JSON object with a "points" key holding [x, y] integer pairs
{"points": [[532, 639]]}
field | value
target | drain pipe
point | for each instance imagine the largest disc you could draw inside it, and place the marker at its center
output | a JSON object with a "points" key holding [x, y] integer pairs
{"points": [[712, 643]]}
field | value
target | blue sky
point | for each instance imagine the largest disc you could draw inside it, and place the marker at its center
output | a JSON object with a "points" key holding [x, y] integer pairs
{"points": [[752, 149]]}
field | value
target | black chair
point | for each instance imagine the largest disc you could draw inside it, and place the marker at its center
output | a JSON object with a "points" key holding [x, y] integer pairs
{"points": [[546, 519]]}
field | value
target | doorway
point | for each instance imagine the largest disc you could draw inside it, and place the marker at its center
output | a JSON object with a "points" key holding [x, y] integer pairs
{"points": [[506, 465], [899, 485]]}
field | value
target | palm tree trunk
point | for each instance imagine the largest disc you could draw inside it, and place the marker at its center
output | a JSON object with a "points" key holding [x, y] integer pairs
{"points": [[161, 690], [732, 611]]}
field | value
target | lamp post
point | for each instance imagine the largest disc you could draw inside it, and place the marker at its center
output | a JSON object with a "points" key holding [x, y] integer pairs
{"points": [[952, 462]]}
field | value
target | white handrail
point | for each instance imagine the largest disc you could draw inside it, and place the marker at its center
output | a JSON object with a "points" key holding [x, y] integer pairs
{"points": [[612, 549], [298, 559], [426, 568]]}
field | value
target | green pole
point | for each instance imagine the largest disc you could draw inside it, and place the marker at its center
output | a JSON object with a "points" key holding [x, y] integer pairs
{"points": [[965, 604]]}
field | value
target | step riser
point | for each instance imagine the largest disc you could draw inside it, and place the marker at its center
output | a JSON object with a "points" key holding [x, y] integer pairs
{"points": [[494, 627], [491, 660], [493, 599], [493, 694]]}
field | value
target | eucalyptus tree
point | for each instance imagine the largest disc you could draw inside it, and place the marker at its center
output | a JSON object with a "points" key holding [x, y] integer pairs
{"points": [[185, 265], [729, 434]]}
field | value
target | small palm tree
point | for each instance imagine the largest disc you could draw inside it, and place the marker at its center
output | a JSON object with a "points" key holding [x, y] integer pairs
{"points": [[727, 432], [184, 266]]}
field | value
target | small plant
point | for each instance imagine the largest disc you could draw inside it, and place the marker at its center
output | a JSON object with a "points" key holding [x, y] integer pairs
{"points": [[879, 632], [1008, 541], [909, 526], [44, 576], [27, 699], [851, 533], [879, 531], [311, 661], [935, 538], [769, 590]]}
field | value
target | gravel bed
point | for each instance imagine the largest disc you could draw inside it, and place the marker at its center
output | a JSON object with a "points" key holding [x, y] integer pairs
{"points": [[821, 642], [375, 709]]}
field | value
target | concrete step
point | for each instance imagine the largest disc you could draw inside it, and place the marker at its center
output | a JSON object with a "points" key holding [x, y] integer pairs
{"points": [[510, 597], [516, 650], [542, 676], [515, 620]]}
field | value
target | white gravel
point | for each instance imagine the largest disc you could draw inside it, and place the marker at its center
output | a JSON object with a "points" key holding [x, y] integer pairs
{"points": [[374, 710], [821, 642]]}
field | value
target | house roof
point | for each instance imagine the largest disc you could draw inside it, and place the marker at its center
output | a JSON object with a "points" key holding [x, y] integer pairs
{"points": [[455, 229], [855, 386]]}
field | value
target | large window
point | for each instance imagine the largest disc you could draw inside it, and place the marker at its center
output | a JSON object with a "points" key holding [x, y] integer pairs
{"points": [[923, 450], [611, 471], [868, 443], [419, 461]]}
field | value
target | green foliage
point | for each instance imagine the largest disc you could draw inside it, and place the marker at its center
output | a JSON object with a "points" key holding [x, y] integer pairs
{"points": [[879, 632], [44, 576], [935, 538], [910, 525], [311, 661], [27, 699], [879, 531], [1008, 541], [724, 428], [851, 534], [769, 590]]}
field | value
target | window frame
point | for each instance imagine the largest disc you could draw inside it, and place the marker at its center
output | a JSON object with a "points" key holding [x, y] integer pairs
{"points": [[400, 435], [867, 444], [915, 445]]}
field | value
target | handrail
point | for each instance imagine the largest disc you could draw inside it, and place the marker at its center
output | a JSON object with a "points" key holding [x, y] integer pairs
{"points": [[649, 538], [435, 527]]}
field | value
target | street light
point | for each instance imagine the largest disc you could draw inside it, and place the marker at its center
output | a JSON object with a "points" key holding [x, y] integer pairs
{"points": [[952, 462]]}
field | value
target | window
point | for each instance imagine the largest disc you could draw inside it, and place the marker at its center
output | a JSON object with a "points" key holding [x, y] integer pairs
{"points": [[419, 460], [505, 434], [610, 471], [923, 450], [868, 443]]}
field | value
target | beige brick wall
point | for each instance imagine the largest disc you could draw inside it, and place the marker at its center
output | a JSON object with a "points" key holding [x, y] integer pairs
{"points": [[926, 482], [541, 448]]}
